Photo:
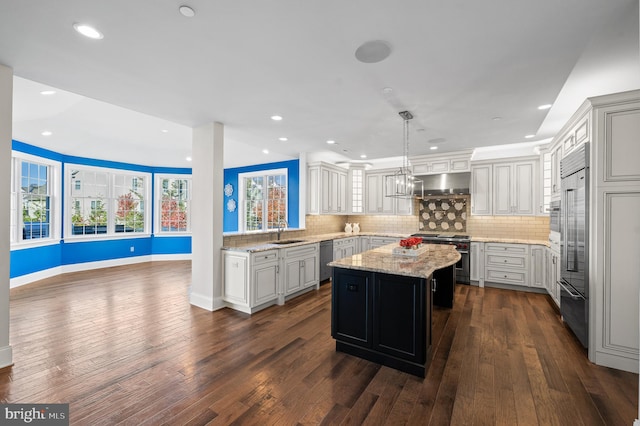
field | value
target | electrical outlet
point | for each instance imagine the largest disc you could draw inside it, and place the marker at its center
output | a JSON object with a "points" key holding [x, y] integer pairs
{"points": [[132, 249]]}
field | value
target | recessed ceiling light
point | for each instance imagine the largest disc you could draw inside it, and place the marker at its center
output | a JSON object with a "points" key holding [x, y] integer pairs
{"points": [[530, 136], [88, 31], [283, 139], [436, 141], [330, 142], [496, 118], [363, 156], [276, 117], [48, 92], [189, 159], [265, 151], [387, 90], [545, 106], [164, 131], [373, 51], [46, 133], [187, 11], [433, 148], [420, 130]]}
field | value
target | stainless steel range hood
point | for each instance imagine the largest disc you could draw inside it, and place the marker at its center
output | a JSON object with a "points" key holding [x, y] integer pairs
{"points": [[446, 184]]}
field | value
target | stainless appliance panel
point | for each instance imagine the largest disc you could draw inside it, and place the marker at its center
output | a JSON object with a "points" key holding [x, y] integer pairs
{"points": [[555, 215], [574, 248]]}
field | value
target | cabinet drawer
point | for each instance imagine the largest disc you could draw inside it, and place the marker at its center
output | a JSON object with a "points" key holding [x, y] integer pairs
{"points": [[507, 277], [265, 256], [511, 249], [382, 241], [308, 249], [506, 261], [344, 241]]}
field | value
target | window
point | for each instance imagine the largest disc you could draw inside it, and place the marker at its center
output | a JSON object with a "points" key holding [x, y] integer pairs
{"points": [[175, 204], [357, 191], [264, 199], [32, 198], [107, 202]]}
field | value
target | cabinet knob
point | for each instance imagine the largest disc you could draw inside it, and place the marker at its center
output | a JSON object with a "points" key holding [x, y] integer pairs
{"points": [[505, 261], [505, 276]]}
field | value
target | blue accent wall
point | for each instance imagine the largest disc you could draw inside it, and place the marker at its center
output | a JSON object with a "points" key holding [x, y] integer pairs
{"points": [[293, 173], [30, 260]]}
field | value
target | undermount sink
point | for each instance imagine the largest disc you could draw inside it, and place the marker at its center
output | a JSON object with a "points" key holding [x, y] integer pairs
{"points": [[282, 242]]}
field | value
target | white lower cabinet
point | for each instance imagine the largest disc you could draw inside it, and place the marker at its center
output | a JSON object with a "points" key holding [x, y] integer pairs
{"points": [[476, 263], [344, 247], [375, 242], [506, 263], [250, 280], [301, 268], [538, 266], [553, 275]]}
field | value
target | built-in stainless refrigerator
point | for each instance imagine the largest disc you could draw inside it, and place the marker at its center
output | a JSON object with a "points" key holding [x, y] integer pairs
{"points": [[574, 249]]}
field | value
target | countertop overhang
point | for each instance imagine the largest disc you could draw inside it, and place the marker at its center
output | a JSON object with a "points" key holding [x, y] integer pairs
{"points": [[382, 259]]}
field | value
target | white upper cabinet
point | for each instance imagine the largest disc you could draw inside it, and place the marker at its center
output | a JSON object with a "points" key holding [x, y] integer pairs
{"points": [[505, 188], [327, 189], [441, 163], [376, 200], [481, 189]]}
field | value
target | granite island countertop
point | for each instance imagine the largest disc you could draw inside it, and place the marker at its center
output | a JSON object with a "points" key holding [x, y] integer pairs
{"points": [[382, 259]]}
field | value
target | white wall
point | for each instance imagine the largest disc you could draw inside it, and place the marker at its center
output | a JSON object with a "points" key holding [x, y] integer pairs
{"points": [[6, 96]]}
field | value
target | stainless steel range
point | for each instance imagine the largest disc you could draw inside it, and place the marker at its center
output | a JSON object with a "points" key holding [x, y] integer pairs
{"points": [[463, 245]]}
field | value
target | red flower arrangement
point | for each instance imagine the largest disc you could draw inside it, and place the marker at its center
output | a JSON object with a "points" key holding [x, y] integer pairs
{"points": [[411, 242]]}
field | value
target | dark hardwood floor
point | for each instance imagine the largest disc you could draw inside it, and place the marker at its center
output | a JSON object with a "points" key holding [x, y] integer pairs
{"points": [[123, 345]]}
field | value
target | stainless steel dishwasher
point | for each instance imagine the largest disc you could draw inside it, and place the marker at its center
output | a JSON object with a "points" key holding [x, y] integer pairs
{"points": [[326, 256]]}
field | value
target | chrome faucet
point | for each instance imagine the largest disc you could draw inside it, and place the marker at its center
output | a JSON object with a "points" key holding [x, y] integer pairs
{"points": [[280, 229]]}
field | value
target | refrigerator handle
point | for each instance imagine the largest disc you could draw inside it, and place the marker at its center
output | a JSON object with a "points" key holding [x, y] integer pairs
{"points": [[572, 294]]}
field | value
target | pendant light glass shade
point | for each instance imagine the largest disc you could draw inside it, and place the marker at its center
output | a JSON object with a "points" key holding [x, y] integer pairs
{"points": [[402, 184]]}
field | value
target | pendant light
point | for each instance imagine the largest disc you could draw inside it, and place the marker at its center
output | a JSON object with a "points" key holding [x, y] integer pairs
{"points": [[402, 184]]}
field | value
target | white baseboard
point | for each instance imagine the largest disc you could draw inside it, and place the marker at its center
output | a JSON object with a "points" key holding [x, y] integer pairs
{"points": [[87, 266], [6, 356]]}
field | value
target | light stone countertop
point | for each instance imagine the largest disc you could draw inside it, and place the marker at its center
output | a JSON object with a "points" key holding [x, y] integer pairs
{"points": [[381, 259], [309, 239], [508, 241]]}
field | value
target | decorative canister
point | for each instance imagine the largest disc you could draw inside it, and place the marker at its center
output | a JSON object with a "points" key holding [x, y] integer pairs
{"points": [[347, 228], [356, 227]]}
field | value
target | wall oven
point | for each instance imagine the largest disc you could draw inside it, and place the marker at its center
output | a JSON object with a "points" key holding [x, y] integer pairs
{"points": [[574, 238]]}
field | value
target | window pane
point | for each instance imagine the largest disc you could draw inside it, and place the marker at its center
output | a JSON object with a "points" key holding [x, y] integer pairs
{"points": [[277, 201], [35, 200], [129, 204], [253, 203], [89, 202], [174, 205]]}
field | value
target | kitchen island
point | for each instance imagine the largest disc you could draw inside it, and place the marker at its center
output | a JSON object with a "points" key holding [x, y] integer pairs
{"points": [[381, 304]]}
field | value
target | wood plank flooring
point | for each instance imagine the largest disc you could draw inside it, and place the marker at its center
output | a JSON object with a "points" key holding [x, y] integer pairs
{"points": [[123, 346]]}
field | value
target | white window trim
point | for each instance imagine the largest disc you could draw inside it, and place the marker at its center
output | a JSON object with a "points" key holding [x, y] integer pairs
{"points": [[111, 234], [55, 206], [157, 225], [241, 200]]}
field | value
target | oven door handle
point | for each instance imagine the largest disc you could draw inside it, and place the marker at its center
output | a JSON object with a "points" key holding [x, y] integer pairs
{"points": [[463, 251], [573, 295]]}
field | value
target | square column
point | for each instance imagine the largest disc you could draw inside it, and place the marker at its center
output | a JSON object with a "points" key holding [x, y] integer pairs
{"points": [[206, 216]]}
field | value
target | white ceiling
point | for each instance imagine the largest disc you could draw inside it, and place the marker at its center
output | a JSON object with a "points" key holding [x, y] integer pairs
{"points": [[454, 64]]}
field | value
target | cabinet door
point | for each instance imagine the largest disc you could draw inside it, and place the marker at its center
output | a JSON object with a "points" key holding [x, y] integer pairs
{"points": [[481, 190], [373, 201], [524, 189], [502, 204], [325, 191], [236, 283], [351, 306], [292, 276], [538, 267], [556, 156], [265, 283], [313, 184], [404, 206], [476, 259], [400, 316], [341, 196], [310, 271], [334, 193], [440, 166]]}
